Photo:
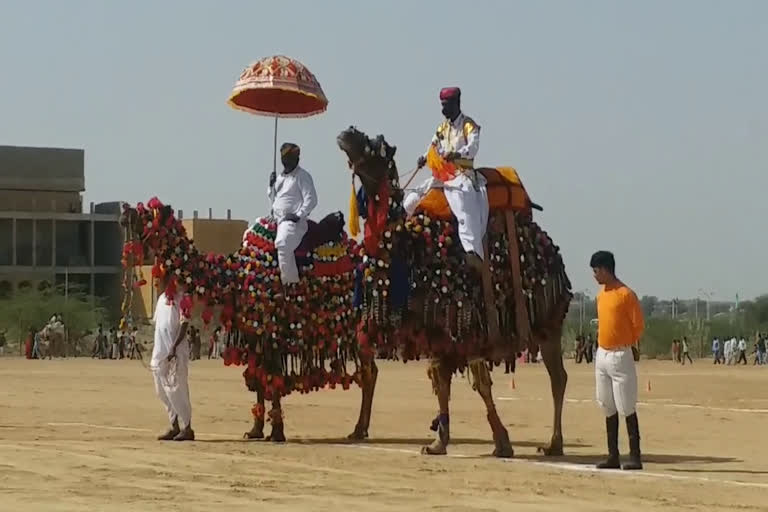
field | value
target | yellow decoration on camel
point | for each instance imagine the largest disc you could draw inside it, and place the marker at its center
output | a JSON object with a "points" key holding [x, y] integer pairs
{"points": [[354, 216]]}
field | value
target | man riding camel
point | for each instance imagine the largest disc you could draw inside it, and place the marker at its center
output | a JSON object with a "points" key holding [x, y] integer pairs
{"points": [[457, 140], [293, 197]]}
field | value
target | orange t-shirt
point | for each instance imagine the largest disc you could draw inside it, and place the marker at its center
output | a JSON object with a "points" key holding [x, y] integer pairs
{"points": [[619, 317]]}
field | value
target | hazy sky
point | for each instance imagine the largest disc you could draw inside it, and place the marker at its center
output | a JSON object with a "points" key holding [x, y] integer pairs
{"points": [[641, 127]]}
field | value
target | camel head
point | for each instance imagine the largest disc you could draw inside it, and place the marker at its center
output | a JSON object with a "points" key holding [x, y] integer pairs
{"points": [[372, 160], [150, 231]]}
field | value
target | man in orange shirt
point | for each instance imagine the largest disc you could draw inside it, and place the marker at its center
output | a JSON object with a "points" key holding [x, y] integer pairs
{"points": [[620, 318]]}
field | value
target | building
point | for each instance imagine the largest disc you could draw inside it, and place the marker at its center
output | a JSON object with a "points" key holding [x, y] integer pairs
{"points": [[221, 236], [45, 238]]}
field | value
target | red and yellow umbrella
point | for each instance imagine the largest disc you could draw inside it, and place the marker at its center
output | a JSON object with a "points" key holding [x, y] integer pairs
{"points": [[278, 86]]}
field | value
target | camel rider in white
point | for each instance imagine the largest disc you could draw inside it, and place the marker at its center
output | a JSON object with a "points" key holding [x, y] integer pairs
{"points": [[293, 197], [457, 140]]}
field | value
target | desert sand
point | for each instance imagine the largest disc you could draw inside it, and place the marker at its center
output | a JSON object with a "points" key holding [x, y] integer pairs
{"points": [[79, 435]]}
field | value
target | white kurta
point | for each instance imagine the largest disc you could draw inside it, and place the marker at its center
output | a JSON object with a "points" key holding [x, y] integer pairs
{"points": [[293, 193], [171, 378], [468, 203]]}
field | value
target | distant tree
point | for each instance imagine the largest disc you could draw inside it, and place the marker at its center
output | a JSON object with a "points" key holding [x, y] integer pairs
{"points": [[649, 303], [33, 308]]}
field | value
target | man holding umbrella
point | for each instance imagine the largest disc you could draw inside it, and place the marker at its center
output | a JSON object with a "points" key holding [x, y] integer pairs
{"points": [[293, 197]]}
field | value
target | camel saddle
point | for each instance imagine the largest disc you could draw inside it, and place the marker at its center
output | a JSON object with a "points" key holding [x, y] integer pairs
{"points": [[330, 229], [505, 192]]}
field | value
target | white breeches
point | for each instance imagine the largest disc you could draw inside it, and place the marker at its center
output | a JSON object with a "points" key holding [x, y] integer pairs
{"points": [[616, 381], [468, 205], [172, 387], [287, 239], [471, 210]]}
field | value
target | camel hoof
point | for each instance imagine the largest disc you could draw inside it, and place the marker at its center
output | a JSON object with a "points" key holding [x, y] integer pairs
{"points": [[253, 435], [436, 448], [358, 435], [503, 449], [551, 451], [276, 437]]}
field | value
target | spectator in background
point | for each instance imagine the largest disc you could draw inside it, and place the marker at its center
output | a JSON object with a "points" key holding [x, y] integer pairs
{"points": [[29, 343], [675, 351], [122, 341], [685, 354], [97, 343], [3, 341], [213, 349], [198, 346], [716, 354], [37, 347], [135, 352], [112, 343], [742, 351]]}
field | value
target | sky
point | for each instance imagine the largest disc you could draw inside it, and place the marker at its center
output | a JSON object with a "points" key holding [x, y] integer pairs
{"points": [[640, 127]]}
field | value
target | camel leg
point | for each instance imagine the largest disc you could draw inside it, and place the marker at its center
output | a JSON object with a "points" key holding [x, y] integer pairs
{"points": [[369, 373], [257, 432], [558, 378], [276, 417], [483, 385], [440, 373]]}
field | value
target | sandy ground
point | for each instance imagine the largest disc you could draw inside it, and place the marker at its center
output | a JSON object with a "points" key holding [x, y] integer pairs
{"points": [[78, 435]]}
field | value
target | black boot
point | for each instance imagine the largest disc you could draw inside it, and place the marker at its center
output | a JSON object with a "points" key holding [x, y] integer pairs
{"points": [[612, 432], [633, 430], [172, 432]]}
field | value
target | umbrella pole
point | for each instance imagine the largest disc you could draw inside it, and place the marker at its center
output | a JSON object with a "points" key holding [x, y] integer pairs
{"points": [[274, 153]]}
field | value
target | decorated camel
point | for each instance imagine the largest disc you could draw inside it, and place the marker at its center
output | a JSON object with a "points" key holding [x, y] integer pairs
{"points": [[445, 310], [404, 290]]}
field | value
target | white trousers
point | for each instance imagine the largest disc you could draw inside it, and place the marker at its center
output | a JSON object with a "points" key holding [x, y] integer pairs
{"points": [[468, 204], [172, 387], [616, 381], [287, 239]]}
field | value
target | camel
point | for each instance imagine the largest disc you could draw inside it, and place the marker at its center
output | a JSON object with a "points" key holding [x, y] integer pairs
{"points": [[437, 321], [287, 346]]}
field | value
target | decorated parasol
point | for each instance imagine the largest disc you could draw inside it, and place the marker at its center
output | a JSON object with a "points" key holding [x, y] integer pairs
{"points": [[278, 86]]}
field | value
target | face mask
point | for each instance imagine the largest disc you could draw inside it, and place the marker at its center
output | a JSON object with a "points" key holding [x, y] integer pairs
{"points": [[450, 110]]}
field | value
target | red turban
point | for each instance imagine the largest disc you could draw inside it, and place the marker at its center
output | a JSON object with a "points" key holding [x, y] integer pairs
{"points": [[450, 93]]}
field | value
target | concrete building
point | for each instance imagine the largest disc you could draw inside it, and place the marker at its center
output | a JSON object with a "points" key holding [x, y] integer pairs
{"points": [[45, 237]]}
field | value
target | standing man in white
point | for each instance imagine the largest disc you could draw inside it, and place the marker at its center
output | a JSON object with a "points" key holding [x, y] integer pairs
{"points": [[170, 363], [293, 197]]}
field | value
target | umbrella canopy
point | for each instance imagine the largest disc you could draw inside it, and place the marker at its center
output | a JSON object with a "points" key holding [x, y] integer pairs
{"points": [[278, 86]]}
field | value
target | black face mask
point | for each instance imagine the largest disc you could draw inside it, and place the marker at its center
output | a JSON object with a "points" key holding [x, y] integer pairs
{"points": [[451, 110], [290, 162]]}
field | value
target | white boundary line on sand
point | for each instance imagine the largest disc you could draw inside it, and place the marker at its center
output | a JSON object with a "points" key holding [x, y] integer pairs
{"points": [[563, 466], [646, 404], [583, 468]]}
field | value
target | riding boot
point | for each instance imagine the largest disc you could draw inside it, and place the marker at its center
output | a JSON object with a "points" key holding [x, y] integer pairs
{"points": [[612, 432], [633, 431]]}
